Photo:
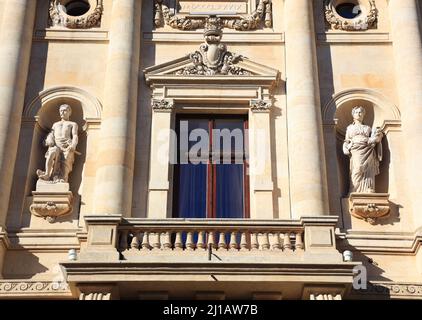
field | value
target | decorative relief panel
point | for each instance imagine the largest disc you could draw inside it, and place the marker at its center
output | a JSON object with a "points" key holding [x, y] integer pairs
{"points": [[84, 17], [362, 14], [171, 13]]}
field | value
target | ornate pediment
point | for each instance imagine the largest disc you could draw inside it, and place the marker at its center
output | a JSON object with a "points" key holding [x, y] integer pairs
{"points": [[213, 61]]}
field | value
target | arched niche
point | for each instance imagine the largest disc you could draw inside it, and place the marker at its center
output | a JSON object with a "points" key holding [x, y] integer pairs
{"points": [[380, 112], [37, 119]]}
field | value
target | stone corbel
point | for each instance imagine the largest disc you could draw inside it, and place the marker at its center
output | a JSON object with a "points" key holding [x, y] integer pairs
{"points": [[51, 200], [314, 292], [369, 206], [98, 292], [91, 19]]}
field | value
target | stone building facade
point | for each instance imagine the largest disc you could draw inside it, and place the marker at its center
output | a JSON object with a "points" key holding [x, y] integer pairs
{"points": [[105, 209]]}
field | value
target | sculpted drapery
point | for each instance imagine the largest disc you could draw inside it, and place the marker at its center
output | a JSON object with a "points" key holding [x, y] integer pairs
{"points": [[364, 147]]}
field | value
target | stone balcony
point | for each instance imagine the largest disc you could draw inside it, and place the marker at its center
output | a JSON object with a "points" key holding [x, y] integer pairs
{"points": [[288, 257]]}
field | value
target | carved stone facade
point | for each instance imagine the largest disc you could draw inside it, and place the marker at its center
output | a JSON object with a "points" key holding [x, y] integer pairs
{"points": [[91, 205]]}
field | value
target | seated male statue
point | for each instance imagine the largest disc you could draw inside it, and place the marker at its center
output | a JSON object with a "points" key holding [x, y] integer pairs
{"points": [[61, 143]]}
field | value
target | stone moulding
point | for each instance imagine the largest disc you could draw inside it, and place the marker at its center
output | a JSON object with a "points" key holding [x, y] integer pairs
{"points": [[399, 290], [91, 19], [369, 206], [261, 15], [25, 288], [366, 20]]}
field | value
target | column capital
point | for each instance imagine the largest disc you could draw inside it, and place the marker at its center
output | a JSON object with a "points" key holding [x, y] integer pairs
{"points": [[261, 105], [162, 105]]}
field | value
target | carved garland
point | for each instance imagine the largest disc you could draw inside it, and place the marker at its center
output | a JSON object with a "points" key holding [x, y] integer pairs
{"points": [[263, 13], [359, 23], [59, 18]]}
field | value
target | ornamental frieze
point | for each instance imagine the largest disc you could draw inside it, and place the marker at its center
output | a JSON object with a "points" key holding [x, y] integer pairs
{"points": [[166, 15]]}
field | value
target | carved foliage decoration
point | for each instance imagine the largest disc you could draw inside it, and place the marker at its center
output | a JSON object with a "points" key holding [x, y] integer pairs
{"points": [[366, 20], [261, 105], [262, 15], [213, 57], [91, 19], [162, 105]]}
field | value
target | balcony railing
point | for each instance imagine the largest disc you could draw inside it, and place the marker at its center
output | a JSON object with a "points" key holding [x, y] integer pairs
{"points": [[114, 238], [205, 234]]}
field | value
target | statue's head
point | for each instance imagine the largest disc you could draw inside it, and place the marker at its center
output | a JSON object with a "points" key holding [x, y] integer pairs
{"points": [[65, 111], [358, 113]]}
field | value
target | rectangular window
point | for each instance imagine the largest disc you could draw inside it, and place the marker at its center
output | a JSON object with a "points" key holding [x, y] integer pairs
{"points": [[211, 178]]}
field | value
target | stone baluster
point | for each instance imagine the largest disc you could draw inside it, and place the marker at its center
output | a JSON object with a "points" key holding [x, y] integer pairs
{"points": [[222, 241], [167, 245], [254, 241], [156, 243], [275, 241], [134, 244], [299, 241], [233, 241], [190, 245], [145, 241], [287, 245], [201, 240], [264, 241], [178, 243], [244, 241], [211, 240]]}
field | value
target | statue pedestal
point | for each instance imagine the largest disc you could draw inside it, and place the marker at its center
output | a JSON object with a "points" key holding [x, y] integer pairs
{"points": [[51, 200], [369, 206]]}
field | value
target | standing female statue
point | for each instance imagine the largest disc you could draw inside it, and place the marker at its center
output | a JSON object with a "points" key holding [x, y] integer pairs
{"points": [[365, 151]]}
